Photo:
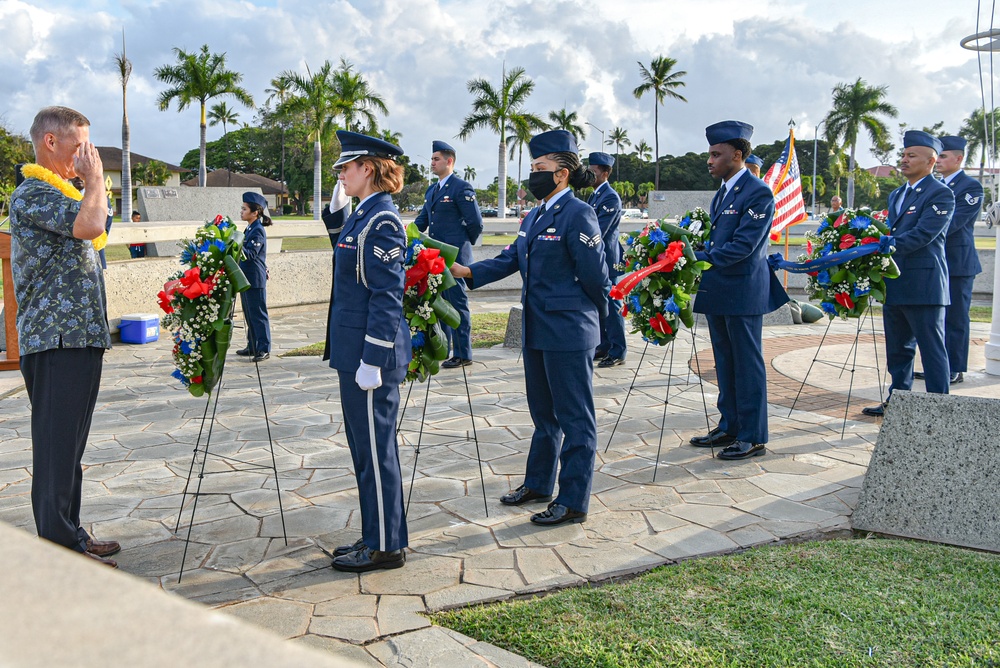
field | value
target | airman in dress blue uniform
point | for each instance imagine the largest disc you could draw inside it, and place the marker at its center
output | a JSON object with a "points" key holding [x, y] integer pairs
{"points": [[736, 292], [451, 214], [560, 256], [913, 314], [754, 165], [608, 207], [254, 265], [370, 346], [960, 251]]}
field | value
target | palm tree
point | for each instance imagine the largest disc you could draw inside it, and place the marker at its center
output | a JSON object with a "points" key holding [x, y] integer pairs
{"points": [[314, 98], [857, 106], [520, 129], [222, 113], [659, 80], [644, 150], [199, 76], [389, 136], [618, 138], [981, 130], [280, 88], [493, 109], [469, 173], [567, 120], [356, 97], [124, 72]]}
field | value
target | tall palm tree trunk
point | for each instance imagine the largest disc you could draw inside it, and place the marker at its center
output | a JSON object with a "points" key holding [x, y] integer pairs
{"points": [[656, 139], [317, 179], [126, 163], [502, 180], [850, 179], [202, 169]]}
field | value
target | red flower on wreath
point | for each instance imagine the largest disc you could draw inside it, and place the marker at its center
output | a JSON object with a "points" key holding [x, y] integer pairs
{"points": [[847, 241], [196, 380], [840, 221], [429, 261], [844, 300], [660, 324], [869, 240], [218, 220]]}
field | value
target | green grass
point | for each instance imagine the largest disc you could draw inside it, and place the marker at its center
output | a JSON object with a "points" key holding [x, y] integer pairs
{"points": [[833, 603], [487, 330], [976, 313]]}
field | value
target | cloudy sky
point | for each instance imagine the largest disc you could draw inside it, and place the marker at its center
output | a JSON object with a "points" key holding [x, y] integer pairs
{"points": [[764, 62]]}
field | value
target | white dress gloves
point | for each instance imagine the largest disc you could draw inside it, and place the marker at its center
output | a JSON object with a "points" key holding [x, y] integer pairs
{"points": [[368, 377], [339, 199]]}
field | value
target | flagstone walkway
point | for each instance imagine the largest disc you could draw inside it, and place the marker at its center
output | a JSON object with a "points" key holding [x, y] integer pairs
{"points": [[462, 552]]}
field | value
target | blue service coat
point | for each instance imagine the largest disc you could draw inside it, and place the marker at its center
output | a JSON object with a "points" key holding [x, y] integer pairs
{"points": [[367, 317], [608, 207], [451, 214], [254, 264], [564, 277], [959, 246], [740, 281], [919, 230]]}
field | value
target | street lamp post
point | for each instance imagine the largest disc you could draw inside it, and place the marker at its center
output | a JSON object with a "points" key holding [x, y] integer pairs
{"points": [[599, 130], [815, 151]]}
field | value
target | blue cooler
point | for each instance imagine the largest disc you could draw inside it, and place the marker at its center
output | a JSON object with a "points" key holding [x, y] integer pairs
{"points": [[139, 328]]}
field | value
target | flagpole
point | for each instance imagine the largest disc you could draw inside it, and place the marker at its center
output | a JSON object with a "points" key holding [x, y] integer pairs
{"points": [[786, 255]]}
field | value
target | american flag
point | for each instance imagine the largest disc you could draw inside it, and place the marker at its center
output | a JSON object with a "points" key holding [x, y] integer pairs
{"points": [[783, 179]]}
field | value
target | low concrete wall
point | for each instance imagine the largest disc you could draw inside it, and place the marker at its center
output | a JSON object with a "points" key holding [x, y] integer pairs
{"points": [[62, 609]]}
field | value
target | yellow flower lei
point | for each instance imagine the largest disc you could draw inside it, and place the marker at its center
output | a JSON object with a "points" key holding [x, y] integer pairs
{"points": [[34, 171]]}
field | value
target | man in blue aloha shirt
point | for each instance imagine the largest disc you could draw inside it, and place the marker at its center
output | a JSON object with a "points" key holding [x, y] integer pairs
{"points": [[62, 320]]}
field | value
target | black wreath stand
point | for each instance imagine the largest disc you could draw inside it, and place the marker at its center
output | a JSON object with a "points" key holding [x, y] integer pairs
{"points": [[202, 453]]}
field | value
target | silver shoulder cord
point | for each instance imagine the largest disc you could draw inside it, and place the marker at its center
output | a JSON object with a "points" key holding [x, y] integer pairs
{"points": [[360, 269]]}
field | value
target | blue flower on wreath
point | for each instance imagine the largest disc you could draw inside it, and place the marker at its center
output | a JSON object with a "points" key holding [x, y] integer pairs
{"points": [[685, 221], [670, 306], [858, 292], [186, 347], [635, 304], [658, 237], [825, 225], [187, 253], [224, 224], [827, 249], [180, 376], [417, 340], [823, 278], [861, 223], [829, 308], [208, 244]]}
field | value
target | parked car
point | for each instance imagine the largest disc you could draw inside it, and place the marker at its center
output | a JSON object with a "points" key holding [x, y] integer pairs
{"points": [[633, 213], [489, 212]]}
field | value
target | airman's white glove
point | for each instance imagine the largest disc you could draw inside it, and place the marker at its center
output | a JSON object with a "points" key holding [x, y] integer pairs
{"points": [[368, 377], [339, 199]]}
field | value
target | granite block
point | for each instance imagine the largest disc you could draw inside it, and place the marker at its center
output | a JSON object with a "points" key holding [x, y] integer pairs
{"points": [[512, 337], [934, 471]]}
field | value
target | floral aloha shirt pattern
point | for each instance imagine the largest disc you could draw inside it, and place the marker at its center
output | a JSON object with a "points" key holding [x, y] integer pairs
{"points": [[58, 279]]}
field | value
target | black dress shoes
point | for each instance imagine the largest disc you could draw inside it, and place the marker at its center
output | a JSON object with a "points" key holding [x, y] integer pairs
{"points": [[347, 549], [742, 450], [523, 495], [600, 357], [455, 362], [557, 513], [261, 357], [955, 377], [243, 352], [367, 559], [878, 410], [714, 439], [608, 362]]}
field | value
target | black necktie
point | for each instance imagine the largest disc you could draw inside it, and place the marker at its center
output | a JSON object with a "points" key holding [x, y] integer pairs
{"points": [[717, 200]]}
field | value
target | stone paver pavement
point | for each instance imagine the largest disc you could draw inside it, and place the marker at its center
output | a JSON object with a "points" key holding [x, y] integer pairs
{"points": [[145, 428]]}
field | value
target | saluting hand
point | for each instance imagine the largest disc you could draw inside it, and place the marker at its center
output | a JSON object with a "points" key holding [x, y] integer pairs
{"points": [[87, 164]]}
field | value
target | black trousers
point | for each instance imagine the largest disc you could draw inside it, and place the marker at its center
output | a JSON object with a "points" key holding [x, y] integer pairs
{"points": [[62, 387]]}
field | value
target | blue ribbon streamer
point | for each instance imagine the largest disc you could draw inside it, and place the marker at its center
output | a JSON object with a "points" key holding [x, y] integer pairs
{"points": [[886, 245]]}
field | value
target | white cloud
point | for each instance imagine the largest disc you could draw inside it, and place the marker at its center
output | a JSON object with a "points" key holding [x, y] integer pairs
{"points": [[764, 62]]}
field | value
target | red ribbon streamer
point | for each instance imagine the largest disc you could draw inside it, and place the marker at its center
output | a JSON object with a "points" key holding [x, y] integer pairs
{"points": [[666, 263]]}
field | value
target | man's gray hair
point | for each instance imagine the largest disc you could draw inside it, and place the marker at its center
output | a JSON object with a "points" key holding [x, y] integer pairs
{"points": [[55, 120]]}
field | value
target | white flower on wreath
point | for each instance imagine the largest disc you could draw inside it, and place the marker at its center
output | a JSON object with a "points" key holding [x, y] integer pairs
{"points": [[425, 311]]}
